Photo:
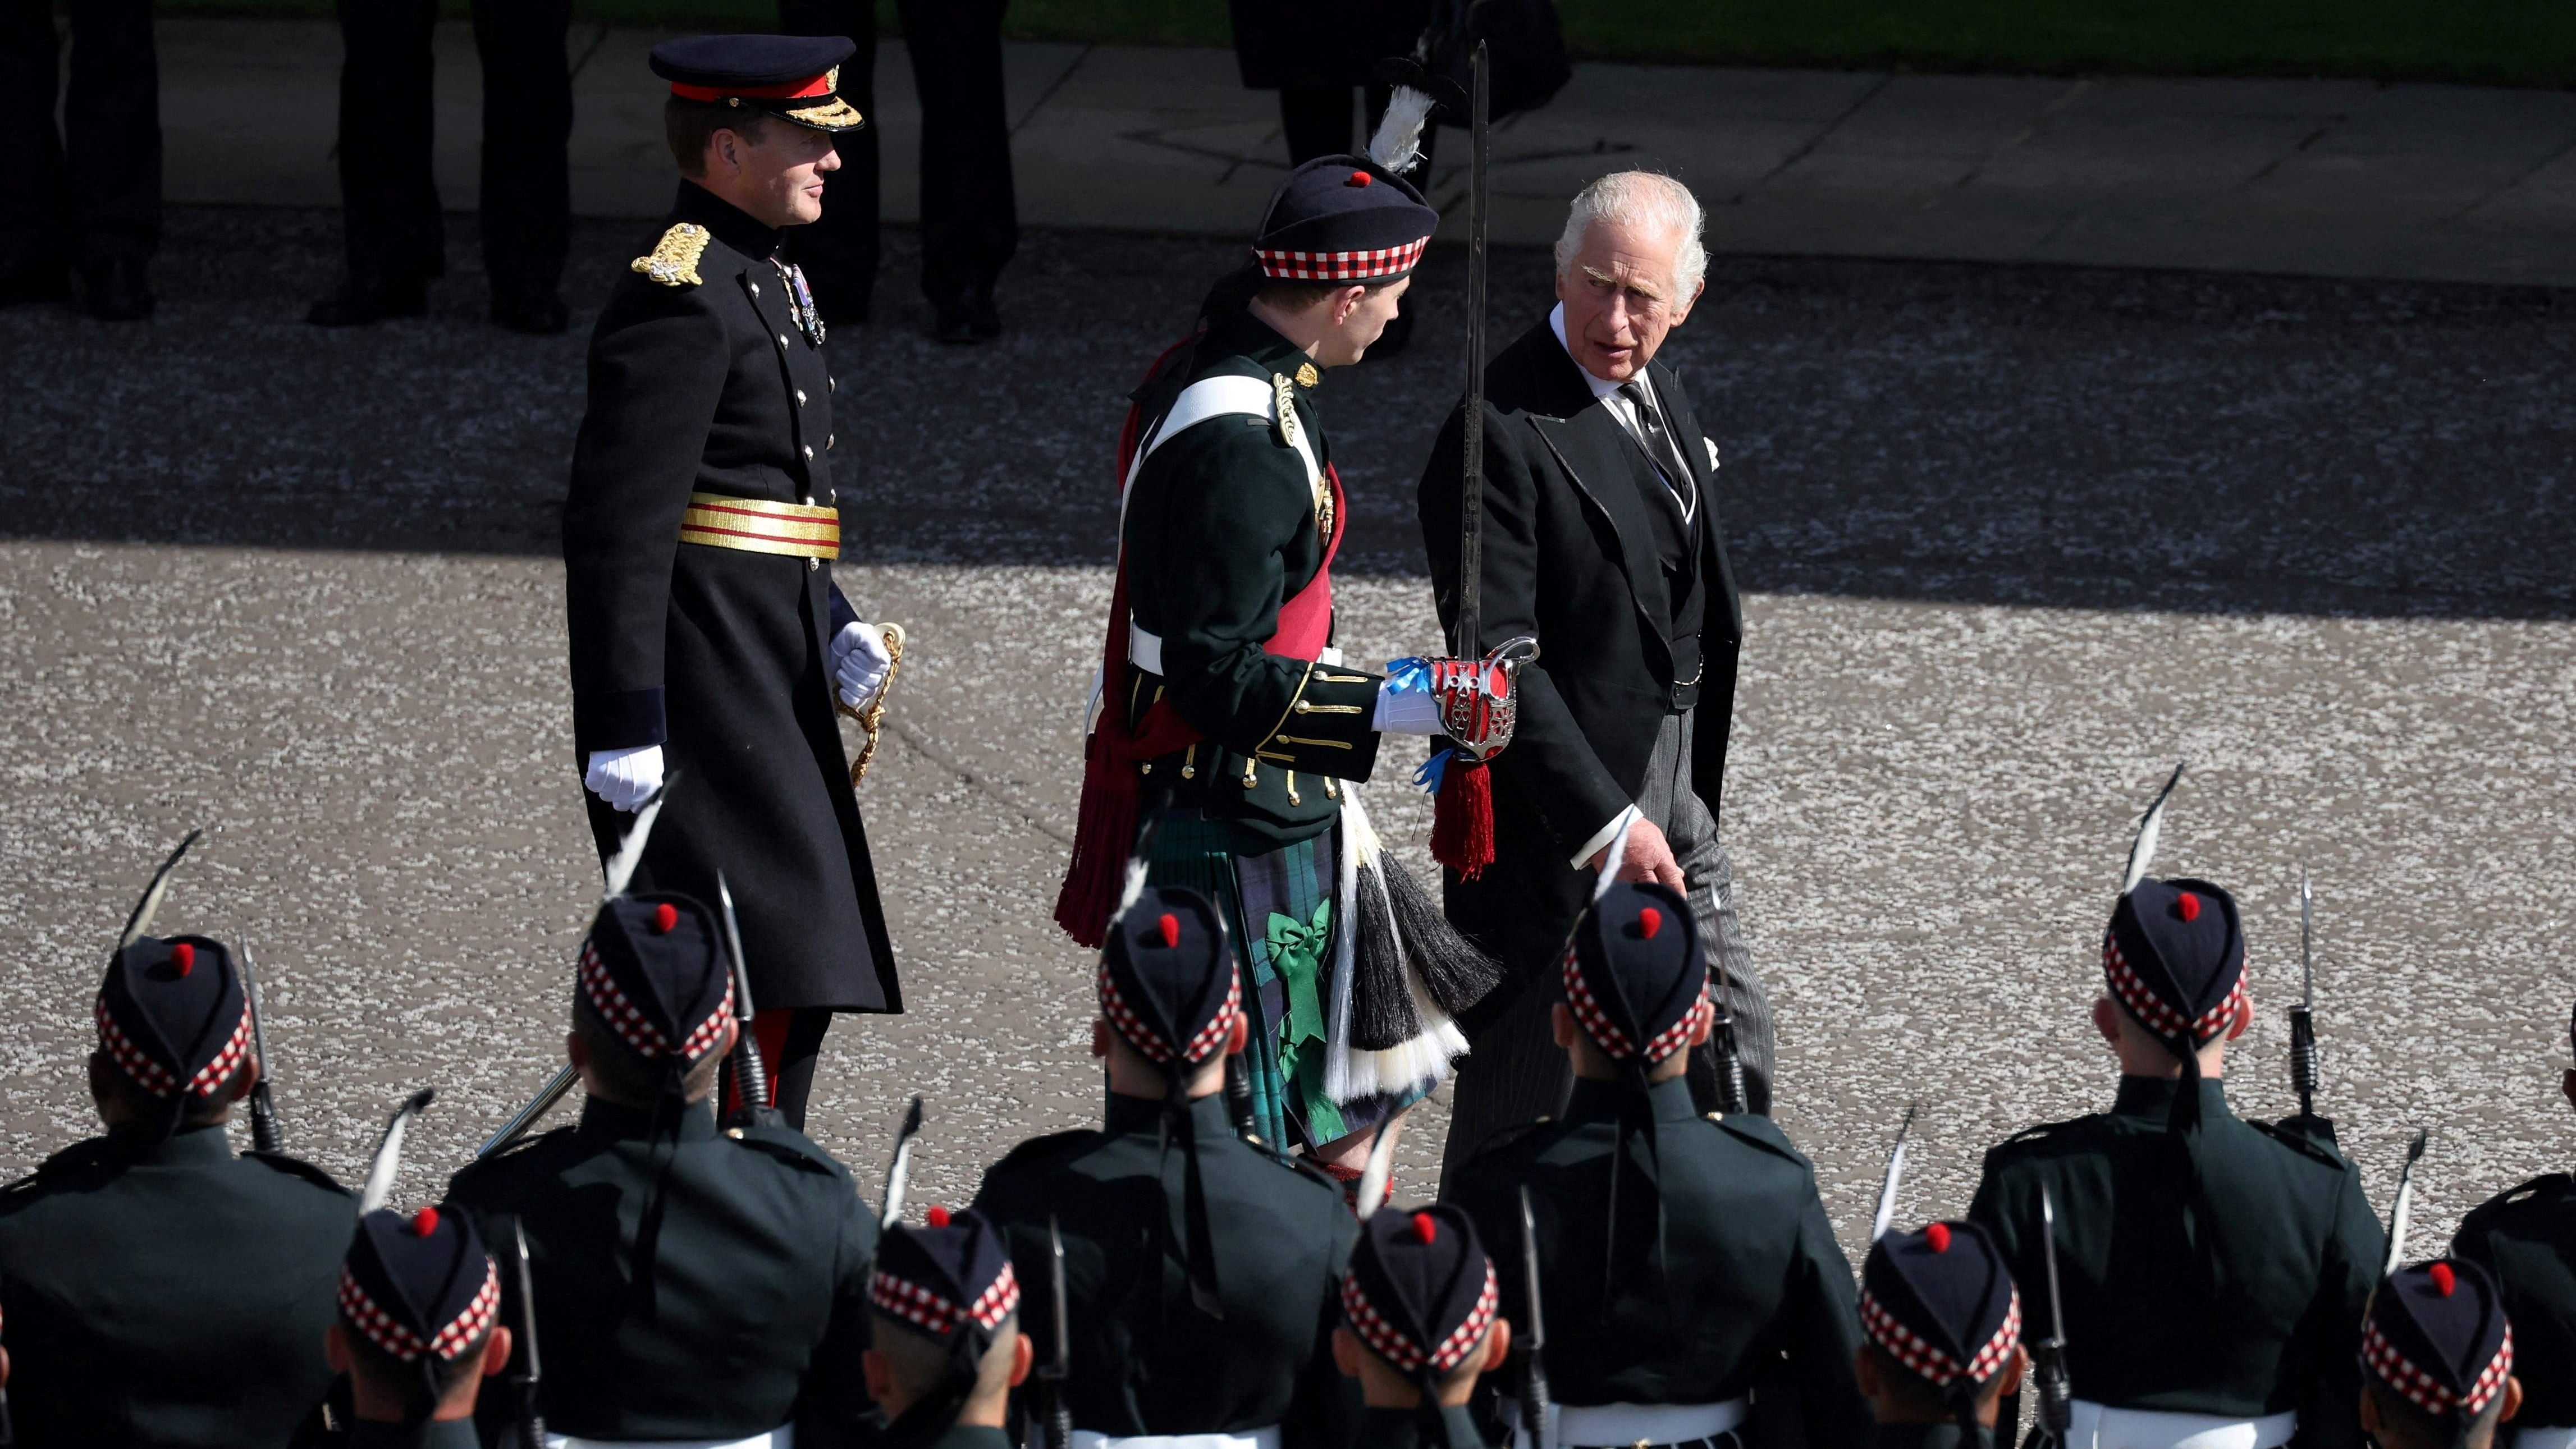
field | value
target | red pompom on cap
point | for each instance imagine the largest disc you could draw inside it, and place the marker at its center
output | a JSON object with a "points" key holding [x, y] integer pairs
{"points": [[2189, 905], [424, 1222], [666, 918], [183, 958], [1426, 1227], [1170, 928], [2444, 1280], [1649, 921], [1938, 1235], [937, 1217], [1361, 178]]}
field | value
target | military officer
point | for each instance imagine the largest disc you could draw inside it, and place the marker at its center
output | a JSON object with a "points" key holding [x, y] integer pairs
{"points": [[1421, 1326], [946, 1348], [2214, 1270], [419, 1329], [1686, 1259], [1944, 1326], [1227, 719], [126, 1255], [707, 637], [693, 1283], [1215, 1320], [2440, 1354], [2526, 1240]]}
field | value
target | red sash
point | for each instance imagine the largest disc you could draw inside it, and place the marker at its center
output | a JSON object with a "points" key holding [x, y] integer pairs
{"points": [[1113, 786]]}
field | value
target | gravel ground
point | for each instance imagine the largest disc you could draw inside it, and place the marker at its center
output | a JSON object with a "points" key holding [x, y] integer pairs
{"points": [[2016, 540]]}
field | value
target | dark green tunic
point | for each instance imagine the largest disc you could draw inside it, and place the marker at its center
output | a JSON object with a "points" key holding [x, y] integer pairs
{"points": [[1403, 1429], [123, 1260], [751, 1308], [1749, 1272], [1145, 1360], [2527, 1238], [2239, 1295]]}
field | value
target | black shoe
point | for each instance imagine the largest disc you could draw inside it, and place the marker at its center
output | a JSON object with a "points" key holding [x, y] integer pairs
{"points": [[360, 301], [953, 321], [115, 290], [983, 318], [539, 314]]}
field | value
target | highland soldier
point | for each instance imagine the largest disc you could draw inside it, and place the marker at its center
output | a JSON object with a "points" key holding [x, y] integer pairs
{"points": [[1199, 1271], [2214, 1269], [420, 1329], [946, 1349], [2526, 1240], [707, 637], [1422, 1324], [1231, 731], [1944, 1324], [2439, 1353]]}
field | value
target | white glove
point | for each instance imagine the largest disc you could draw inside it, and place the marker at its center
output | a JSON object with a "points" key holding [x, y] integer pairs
{"points": [[860, 663], [1406, 712], [624, 778]]}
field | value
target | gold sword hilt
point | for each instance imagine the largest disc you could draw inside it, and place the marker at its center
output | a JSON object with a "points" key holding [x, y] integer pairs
{"points": [[872, 718]]}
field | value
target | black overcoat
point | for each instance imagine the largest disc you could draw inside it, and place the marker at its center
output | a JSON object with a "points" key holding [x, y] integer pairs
{"points": [[1569, 558], [717, 654], [1324, 43]]}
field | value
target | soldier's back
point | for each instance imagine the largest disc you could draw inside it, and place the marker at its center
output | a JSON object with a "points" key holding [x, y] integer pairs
{"points": [[169, 1293], [2527, 1238], [2222, 1277], [1145, 1359], [708, 1287]]}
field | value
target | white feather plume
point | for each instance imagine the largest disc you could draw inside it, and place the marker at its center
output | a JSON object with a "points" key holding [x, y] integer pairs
{"points": [[388, 1159], [620, 870], [899, 1171], [1374, 1176], [1616, 857], [1895, 1177], [2142, 850], [1398, 142], [2402, 1214], [139, 921]]}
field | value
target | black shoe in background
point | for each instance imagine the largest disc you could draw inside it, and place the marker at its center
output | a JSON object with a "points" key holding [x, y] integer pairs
{"points": [[539, 314], [363, 300], [36, 282], [116, 290], [953, 321], [983, 318]]}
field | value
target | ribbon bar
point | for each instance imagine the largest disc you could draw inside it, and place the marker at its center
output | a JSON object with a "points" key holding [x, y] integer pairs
{"points": [[758, 526]]}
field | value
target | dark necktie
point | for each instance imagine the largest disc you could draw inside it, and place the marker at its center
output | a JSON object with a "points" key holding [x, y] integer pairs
{"points": [[1660, 447]]}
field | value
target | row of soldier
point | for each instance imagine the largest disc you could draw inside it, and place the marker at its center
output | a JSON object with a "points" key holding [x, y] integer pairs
{"points": [[1628, 1272]]}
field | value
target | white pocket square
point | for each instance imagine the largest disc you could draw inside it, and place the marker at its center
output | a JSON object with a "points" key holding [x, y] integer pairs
{"points": [[1711, 444]]}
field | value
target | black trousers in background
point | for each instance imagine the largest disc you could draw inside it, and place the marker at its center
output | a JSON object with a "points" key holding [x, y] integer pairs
{"points": [[91, 193], [970, 223], [387, 186], [1316, 121]]}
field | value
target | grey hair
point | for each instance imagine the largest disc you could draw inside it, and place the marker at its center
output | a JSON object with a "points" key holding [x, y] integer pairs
{"points": [[1648, 201]]}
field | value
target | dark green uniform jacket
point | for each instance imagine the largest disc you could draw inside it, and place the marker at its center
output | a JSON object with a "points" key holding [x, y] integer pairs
{"points": [[435, 1434], [2262, 1316], [1220, 528], [2527, 1238], [1750, 1268], [1145, 1360], [124, 1262], [751, 1310], [1403, 1429]]}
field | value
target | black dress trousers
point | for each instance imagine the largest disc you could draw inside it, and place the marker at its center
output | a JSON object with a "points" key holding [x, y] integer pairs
{"points": [[91, 193], [386, 141], [969, 214]]}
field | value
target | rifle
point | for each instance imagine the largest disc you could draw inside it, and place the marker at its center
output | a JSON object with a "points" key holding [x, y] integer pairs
{"points": [[751, 1106], [2056, 1409], [526, 1117], [263, 1106], [1052, 1379], [1731, 1095], [2304, 1075], [531, 1426], [1535, 1405], [1238, 1096]]}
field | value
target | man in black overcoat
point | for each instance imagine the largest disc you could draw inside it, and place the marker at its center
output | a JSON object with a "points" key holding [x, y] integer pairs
{"points": [[1601, 540], [708, 639]]}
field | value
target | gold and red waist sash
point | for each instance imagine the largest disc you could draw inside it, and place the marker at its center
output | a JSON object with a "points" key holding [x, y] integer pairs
{"points": [[756, 525]]}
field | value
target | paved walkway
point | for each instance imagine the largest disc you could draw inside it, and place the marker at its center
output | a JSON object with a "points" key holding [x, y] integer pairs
{"points": [[2333, 178]]}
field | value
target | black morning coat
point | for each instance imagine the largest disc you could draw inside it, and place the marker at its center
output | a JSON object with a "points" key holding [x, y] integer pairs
{"points": [[2527, 1239], [690, 1283], [2238, 1295], [1145, 1359], [719, 655], [1749, 1288], [127, 1262], [1570, 558]]}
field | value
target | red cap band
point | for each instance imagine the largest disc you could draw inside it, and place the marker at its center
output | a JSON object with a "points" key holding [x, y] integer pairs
{"points": [[820, 85]]}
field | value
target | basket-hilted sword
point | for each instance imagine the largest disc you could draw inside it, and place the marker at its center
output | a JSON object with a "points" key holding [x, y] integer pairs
{"points": [[1471, 487], [2055, 1417], [531, 1427], [1537, 1427], [1059, 1369], [263, 1105]]}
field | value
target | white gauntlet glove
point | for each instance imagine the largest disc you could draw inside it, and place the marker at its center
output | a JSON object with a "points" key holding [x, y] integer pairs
{"points": [[1403, 711], [624, 778], [860, 663]]}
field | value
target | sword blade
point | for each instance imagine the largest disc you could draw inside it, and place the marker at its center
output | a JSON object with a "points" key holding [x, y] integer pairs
{"points": [[1471, 493]]}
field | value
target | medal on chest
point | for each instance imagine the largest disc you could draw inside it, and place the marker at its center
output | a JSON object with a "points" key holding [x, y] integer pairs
{"points": [[800, 301]]}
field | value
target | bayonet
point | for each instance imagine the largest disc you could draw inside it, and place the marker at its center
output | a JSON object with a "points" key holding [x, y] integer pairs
{"points": [[532, 1419], [2056, 1407], [263, 1105], [526, 1117], [2303, 1027], [1059, 1370], [1895, 1175], [750, 1076], [1537, 1426]]}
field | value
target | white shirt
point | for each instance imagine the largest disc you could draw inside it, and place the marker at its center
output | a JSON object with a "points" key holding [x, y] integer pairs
{"points": [[1684, 490]]}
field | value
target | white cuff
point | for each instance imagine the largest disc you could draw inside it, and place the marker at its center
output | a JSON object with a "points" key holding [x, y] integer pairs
{"points": [[1602, 837], [1405, 712]]}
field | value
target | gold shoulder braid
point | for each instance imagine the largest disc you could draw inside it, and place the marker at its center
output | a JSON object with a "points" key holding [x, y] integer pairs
{"points": [[1283, 406], [872, 719], [674, 262]]}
